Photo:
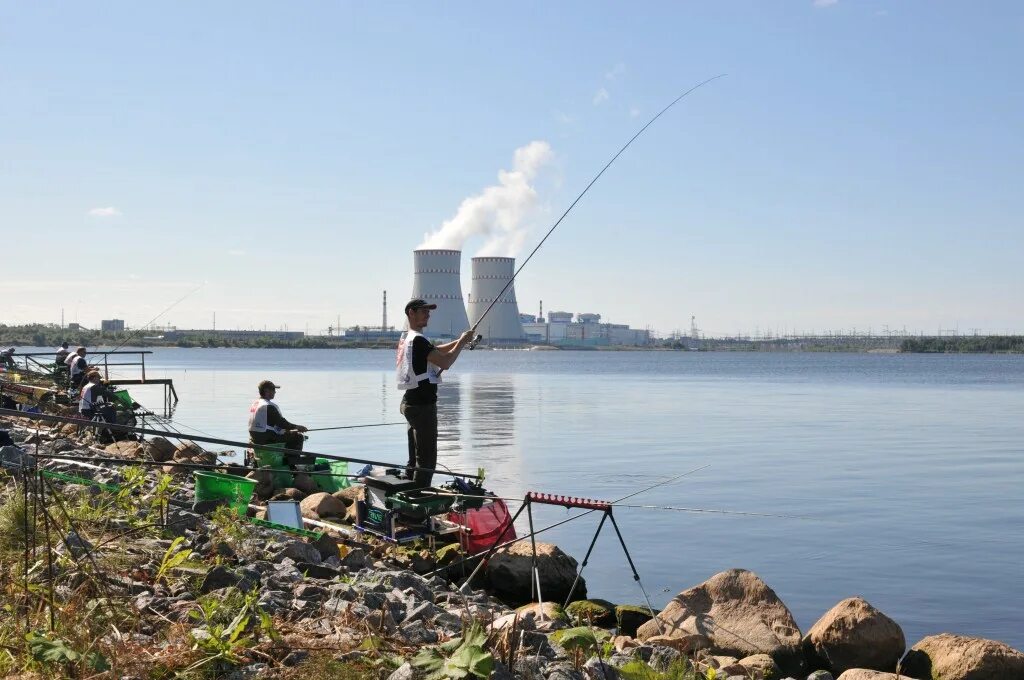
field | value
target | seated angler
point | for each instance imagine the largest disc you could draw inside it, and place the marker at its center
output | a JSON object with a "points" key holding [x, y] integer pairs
{"points": [[78, 367], [97, 399], [268, 426], [7, 358]]}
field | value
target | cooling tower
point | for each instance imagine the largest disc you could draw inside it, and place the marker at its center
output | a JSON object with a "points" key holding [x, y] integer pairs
{"points": [[490, 274], [436, 279]]}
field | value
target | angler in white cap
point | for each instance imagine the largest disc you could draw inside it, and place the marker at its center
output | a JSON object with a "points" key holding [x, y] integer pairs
{"points": [[418, 369]]}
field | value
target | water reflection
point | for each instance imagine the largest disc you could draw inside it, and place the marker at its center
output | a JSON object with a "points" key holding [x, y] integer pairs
{"points": [[491, 438]]}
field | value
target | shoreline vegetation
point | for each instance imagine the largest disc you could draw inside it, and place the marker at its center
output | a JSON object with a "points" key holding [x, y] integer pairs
{"points": [[51, 335]]}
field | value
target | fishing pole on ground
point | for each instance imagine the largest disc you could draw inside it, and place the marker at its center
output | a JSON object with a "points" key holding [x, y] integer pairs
{"points": [[43, 417], [497, 297]]}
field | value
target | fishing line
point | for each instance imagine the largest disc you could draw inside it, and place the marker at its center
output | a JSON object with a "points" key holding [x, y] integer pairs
{"points": [[582, 193], [153, 320]]}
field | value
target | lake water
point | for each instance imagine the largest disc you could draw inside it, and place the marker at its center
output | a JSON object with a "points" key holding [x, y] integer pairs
{"points": [[909, 467]]}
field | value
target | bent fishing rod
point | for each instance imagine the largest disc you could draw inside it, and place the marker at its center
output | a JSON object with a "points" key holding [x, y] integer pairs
{"points": [[47, 418], [508, 285]]}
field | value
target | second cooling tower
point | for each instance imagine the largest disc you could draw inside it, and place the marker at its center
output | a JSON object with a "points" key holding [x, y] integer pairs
{"points": [[490, 275], [436, 279]]}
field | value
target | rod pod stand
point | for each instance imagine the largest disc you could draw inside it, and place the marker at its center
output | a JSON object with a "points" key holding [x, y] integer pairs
{"points": [[567, 502]]}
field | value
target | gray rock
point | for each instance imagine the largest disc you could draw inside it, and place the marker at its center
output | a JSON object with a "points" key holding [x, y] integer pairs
{"points": [[820, 675], [310, 591], [404, 672], [299, 552], [403, 580], [356, 559], [662, 657], [75, 545], [595, 669], [295, 657], [501, 672], [320, 571], [563, 671], [529, 668], [416, 633], [217, 578], [423, 610]]}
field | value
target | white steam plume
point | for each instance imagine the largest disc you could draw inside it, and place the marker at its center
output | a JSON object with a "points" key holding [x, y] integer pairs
{"points": [[499, 211]]}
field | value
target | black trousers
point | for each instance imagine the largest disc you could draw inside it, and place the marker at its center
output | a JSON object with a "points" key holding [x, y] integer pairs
{"points": [[422, 434]]}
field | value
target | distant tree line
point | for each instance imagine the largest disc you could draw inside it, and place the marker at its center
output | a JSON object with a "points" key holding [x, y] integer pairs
{"points": [[51, 335], [969, 343]]}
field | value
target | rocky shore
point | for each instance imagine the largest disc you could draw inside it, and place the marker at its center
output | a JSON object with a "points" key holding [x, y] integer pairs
{"points": [[124, 576]]}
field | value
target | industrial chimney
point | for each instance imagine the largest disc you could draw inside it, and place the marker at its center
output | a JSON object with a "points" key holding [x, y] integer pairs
{"points": [[490, 274], [436, 279]]}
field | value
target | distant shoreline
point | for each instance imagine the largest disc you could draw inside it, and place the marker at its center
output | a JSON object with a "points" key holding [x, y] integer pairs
{"points": [[38, 335]]}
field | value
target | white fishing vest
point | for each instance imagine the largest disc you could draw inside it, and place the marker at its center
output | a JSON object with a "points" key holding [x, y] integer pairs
{"points": [[87, 402], [258, 417], [404, 375]]}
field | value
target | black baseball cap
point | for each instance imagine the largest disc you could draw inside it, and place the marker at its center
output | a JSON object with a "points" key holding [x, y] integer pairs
{"points": [[418, 303]]}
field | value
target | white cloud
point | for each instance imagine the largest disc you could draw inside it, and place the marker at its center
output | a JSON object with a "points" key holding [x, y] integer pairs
{"points": [[236, 253], [615, 71], [825, 3], [634, 112], [110, 211], [601, 96]]}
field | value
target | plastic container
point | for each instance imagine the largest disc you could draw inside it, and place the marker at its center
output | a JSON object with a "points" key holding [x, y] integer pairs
{"points": [[237, 491], [335, 467], [271, 455]]}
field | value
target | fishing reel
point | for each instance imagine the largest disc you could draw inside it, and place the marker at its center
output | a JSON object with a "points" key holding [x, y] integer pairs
{"points": [[475, 341]]}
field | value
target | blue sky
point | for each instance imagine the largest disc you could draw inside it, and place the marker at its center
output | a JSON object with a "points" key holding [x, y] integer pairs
{"points": [[860, 166]]}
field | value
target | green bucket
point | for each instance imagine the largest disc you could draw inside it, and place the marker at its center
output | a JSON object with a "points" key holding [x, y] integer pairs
{"points": [[215, 486], [332, 484], [269, 454]]}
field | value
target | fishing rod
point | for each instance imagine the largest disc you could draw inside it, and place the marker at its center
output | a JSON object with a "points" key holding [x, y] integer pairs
{"points": [[508, 285], [44, 417], [153, 320], [352, 427]]}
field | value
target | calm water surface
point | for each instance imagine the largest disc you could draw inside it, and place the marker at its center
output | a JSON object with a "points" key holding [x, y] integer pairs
{"points": [[910, 467]]}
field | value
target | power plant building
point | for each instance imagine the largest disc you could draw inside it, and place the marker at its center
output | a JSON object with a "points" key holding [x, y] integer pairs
{"points": [[585, 331], [436, 279]]}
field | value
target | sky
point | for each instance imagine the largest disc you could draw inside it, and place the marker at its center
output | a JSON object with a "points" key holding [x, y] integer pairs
{"points": [[275, 164]]}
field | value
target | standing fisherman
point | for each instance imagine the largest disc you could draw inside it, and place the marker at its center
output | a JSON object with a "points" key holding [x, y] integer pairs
{"points": [[418, 369]]}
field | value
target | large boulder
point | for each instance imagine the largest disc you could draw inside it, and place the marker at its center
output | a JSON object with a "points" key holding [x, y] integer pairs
{"points": [[509, 573], [190, 452], [319, 505], [853, 634], [629, 618], [350, 494], [125, 449], [958, 657], [868, 674], [159, 449], [738, 613], [597, 612]]}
